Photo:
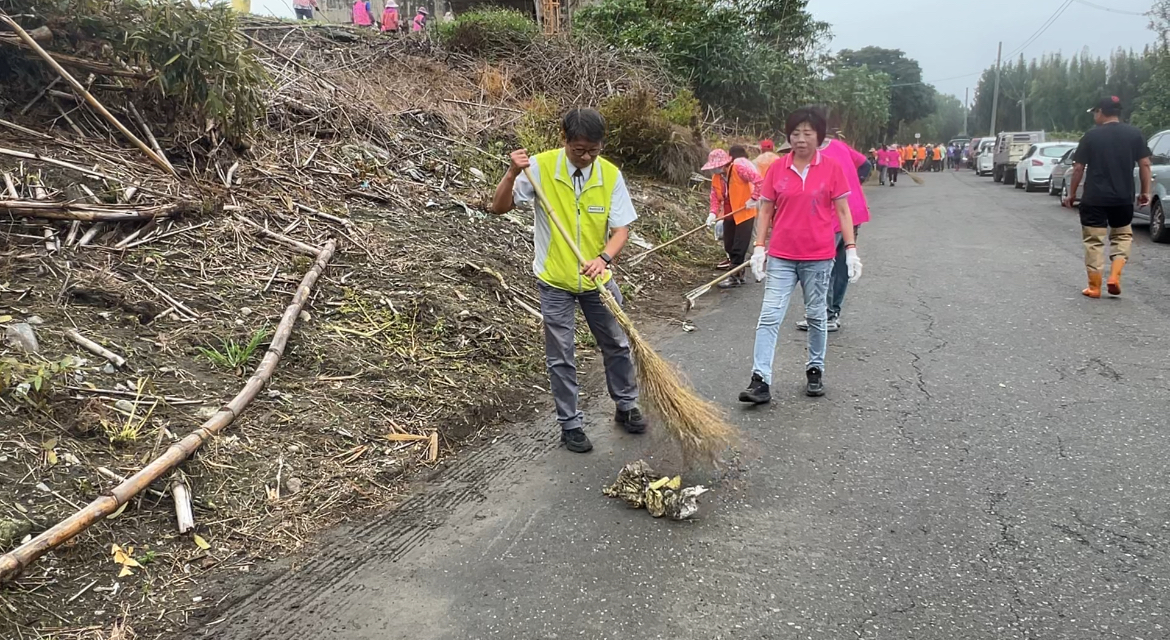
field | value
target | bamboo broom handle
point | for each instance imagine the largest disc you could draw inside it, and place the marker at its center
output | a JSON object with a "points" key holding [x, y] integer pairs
{"points": [[93, 102], [642, 256], [548, 211], [16, 560]]}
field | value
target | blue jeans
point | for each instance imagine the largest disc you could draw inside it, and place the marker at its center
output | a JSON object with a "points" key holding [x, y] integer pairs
{"points": [[840, 280], [783, 276]]}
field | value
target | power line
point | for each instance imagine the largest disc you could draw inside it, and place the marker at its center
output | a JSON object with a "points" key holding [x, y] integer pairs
{"points": [[1044, 27], [1112, 10]]}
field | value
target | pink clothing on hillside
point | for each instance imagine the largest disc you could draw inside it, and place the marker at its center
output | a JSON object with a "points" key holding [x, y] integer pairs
{"points": [[747, 172], [361, 13], [804, 223], [850, 160]]}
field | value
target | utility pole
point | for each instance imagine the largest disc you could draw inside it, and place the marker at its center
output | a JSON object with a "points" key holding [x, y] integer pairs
{"points": [[966, 111], [995, 96], [1023, 111]]}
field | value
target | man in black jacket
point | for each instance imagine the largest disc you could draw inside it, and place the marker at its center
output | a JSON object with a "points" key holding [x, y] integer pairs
{"points": [[1105, 158]]}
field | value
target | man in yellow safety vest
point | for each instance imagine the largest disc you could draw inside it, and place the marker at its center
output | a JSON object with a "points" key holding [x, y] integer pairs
{"points": [[591, 201]]}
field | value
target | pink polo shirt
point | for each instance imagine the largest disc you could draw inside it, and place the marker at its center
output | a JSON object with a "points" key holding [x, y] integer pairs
{"points": [[805, 218], [850, 160]]}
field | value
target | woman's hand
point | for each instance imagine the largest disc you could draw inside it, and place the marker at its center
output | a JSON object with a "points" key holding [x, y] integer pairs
{"points": [[853, 264], [759, 262]]}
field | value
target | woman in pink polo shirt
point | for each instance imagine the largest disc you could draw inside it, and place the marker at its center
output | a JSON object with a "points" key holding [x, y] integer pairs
{"points": [[804, 199]]}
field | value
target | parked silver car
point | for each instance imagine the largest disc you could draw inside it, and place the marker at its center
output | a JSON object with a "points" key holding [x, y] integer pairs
{"points": [[1155, 212], [1061, 172]]}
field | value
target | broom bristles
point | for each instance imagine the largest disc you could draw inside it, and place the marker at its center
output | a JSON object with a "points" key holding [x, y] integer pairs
{"points": [[695, 424]]}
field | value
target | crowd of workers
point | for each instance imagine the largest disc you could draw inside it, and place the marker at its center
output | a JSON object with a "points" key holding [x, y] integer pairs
{"points": [[892, 159], [363, 14]]}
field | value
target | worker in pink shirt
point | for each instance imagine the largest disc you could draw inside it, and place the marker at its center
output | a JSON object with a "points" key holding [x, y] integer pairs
{"points": [[803, 201], [850, 160], [893, 163]]}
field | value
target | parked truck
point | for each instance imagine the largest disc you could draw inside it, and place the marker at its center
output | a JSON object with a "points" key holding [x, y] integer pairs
{"points": [[1010, 146]]}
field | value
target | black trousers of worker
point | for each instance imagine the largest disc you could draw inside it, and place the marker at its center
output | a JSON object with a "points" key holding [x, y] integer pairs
{"points": [[737, 239]]}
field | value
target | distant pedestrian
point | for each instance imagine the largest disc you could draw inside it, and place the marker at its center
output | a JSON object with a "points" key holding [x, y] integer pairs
{"points": [[390, 17], [804, 195], [362, 15], [304, 9], [1105, 158], [920, 159], [735, 192], [883, 165], [420, 20], [893, 163], [767, 156]]}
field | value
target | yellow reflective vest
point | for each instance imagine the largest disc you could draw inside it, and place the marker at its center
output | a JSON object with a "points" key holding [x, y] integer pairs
{"points": [[586, 218]]}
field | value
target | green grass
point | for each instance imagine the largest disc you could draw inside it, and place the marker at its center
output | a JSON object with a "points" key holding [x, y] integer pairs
{"points": [[234, 355]]}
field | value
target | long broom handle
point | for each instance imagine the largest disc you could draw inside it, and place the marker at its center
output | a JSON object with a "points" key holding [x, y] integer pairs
{"points": [[551, 213], [642, 256]]}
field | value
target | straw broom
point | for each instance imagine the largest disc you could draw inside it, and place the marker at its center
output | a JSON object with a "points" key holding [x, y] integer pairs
{"points": [[694, 423]]}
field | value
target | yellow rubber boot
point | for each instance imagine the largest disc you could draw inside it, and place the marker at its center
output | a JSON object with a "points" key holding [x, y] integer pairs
{"points": [[1094, 288]]}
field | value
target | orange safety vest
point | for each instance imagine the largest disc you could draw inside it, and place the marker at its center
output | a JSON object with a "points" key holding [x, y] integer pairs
{"points": [[735, 197], [921, 153], [938, 153]]}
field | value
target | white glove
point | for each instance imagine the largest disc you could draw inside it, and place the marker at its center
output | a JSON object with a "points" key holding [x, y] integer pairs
{"points": [[710, 220], [759, 263], [853, 264], [751, 204], [719, 230]]}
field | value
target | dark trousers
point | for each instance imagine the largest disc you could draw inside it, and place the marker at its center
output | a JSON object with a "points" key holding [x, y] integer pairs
{"points": [[737, 238], [304, 13], [559, 310], [892, 172], [839, 280]]}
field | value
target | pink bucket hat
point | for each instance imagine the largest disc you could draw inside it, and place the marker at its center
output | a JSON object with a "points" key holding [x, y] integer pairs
{"points": [[717, 158]]}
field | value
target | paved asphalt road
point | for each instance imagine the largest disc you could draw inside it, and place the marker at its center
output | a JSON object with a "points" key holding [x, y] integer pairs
{"points": [[989, 462]]}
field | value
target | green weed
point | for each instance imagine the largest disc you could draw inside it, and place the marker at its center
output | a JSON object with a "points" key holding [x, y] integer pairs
{"points": [[234, 355]]}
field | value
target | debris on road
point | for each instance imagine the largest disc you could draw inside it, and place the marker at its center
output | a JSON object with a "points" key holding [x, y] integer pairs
{"points": [[639, 486]]}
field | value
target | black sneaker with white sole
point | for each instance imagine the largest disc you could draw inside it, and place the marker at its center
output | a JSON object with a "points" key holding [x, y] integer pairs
{"points": [[757, 391], [576, 441], [633, 420], [815, 386]]}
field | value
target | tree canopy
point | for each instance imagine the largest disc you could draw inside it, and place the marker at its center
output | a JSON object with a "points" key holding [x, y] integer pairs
{"points": [[910, 99]]}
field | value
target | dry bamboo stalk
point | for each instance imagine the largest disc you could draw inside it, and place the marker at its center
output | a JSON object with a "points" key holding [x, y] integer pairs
{"points": [[149, 135], [167, 234], [40, 34], [93, 102], [15, 561], [60, 163], [143, 230], [165, 296], [11, 186], [25, 130], [181, 492], [74, 227], [51, 243], [321, 214], [95, 348], [86, 212], [40, 94], [297, 244], [90, 234], [642, 256]]}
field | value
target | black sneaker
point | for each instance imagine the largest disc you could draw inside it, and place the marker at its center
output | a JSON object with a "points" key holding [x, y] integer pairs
{"points": [[815, 387], [757, 391], [576, 441], [632, 420]]}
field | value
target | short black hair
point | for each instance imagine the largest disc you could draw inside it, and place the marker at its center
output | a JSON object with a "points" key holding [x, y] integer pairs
{"points": [[737, 151], [810, 115], [583, 124]]}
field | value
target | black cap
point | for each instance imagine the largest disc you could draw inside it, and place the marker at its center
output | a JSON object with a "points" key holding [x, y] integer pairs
{"points": [[1109, 105]]}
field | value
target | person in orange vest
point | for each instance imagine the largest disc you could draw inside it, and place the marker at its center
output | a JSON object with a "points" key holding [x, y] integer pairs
{"points": [[390, 17], [920, 157], [938, 158], [362, 13], [735, 191]]}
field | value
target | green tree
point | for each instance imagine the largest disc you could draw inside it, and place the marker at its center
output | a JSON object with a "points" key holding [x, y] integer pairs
{"points": [[858, 102], [1153, 106], [755, 61], [910, 99]]}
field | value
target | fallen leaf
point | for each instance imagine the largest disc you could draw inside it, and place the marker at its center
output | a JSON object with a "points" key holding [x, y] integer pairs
{"points": [[125, 572], [5, 318], [201, 543], [405, 437]]}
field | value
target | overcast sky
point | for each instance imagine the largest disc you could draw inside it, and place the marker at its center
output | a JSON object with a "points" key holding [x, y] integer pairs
{"points": [[958, 38]]}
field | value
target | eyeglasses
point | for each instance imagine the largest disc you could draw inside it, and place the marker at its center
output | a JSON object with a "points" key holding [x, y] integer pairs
{"points": [[581, 152]]}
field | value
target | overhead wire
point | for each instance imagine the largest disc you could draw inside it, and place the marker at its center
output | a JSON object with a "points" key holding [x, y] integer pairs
{"points": [[1044, 27], [1112, 10]]}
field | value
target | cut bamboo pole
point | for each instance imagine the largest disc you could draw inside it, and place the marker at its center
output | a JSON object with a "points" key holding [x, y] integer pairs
{"points": [[181, 492], [95, 348], [87, 212], [93, 102], [642, 256], [15, 561], [296, 244]]}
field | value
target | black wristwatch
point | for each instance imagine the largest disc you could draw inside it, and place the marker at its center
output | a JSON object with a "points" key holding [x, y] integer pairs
{"points": [[605, 256]]}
